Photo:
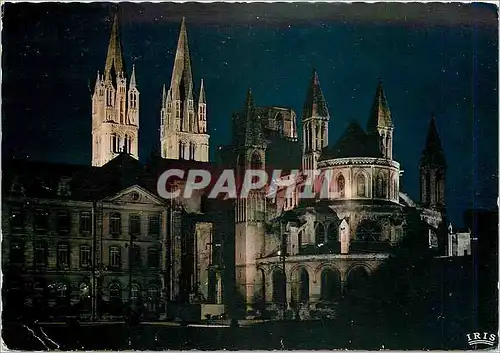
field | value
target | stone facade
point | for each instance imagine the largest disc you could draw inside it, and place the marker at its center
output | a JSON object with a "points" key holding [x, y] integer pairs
{"points": [[115, 107], [357, 217]]}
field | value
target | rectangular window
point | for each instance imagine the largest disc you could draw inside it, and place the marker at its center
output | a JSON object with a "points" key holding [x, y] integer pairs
{"points": [[115, 224], [114, 257], [41, 254], [153, 258], [41, 220], [63, 222], [135, 257], [85, 222], [85, 256], [135, 225], [63, 255], [16, 219], [154, 225], [16, 254]]}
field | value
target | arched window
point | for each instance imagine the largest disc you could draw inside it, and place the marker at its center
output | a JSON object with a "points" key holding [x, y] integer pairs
{"points": [[115, 292], [125, 144], [135, 293], [380, 186], [332, 235], [182, 151], [62, 291], [394, 192], [427, 188], [330, 284], [153, 292], [368, 230], [361, 184], [300, 236], [84, 291], [320, 234], [357, 281], [440, 187], [192, 150], [114, 143], [280, 124], [303, 286], [256, 162], [341, 185], [279, 290]]}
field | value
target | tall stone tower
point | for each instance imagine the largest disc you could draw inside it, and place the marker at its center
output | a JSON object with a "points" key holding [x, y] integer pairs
{"points": [[380, 122], [315, 119], [433, 171], [115, 107], [183, 126], [250, 211]]}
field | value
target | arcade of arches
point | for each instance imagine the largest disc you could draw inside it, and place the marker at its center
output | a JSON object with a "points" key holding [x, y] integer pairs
{"points": [[316, 281]]}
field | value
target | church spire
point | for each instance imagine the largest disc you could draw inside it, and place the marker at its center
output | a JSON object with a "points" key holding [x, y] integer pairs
{"points": [[315, 104], [380, 115], [183, 132], [182, 76], [115, 64], [433, 170], [254, 135], [201, 98], [433, 154], [132, 78]]}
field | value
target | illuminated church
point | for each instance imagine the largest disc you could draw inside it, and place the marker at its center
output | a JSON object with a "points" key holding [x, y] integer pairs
{"points": [[281, 255]]}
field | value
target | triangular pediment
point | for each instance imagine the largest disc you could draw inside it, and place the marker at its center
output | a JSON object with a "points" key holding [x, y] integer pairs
{"points": [[135, 195]]}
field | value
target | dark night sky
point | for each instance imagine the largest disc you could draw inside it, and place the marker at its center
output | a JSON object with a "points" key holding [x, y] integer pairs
{"points": [[438, 58]]}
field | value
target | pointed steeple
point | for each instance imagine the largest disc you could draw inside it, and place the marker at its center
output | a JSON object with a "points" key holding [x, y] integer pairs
{"points": [[132, 78], [315, 104], [201, 98], [114, 60], [433, 154], [182, 74], [254, 135], [380, 115]]}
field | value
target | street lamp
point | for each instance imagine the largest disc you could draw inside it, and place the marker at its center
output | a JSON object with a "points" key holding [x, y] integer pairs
{"points": [[282, 255]]}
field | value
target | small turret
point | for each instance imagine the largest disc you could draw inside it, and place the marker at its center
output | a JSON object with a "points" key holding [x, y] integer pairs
{"points": [[380, 125], [433, 170]]}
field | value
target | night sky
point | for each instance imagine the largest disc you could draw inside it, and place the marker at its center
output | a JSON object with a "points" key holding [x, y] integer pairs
{"points": [[439, 58]]}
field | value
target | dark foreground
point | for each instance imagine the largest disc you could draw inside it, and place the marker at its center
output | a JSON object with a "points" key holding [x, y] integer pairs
{"points": [[265, 336]]}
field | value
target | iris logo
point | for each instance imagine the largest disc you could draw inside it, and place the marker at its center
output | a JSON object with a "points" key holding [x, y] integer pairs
{"points": [[481, 338]]}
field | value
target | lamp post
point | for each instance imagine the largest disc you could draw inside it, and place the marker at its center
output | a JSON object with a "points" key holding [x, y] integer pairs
{"points": [[282, 255]]}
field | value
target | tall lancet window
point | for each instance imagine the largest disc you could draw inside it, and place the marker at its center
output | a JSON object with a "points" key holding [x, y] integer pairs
{"points": [[133, 100], [125, 144], [122, 111], [361, 185], [191, 150], [182, 152], [280, 124], [114, 143], [381, 186], [341, 185]]}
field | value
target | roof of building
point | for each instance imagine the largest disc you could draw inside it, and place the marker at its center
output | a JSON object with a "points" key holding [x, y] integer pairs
{"points": [[354, 142], [315, 103], [433, 154], [380, 114]]}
